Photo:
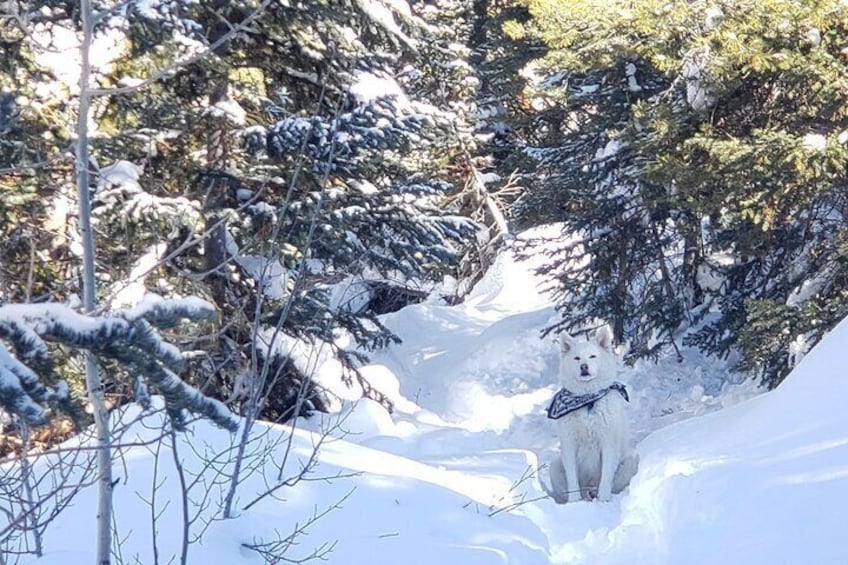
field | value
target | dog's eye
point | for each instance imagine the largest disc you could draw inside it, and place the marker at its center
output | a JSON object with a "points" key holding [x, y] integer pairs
{"points": [[577, 358], [592, 356]]}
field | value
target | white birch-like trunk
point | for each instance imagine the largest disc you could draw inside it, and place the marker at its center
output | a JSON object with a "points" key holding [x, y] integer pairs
{"points": [[92, 376], [29, 501]]}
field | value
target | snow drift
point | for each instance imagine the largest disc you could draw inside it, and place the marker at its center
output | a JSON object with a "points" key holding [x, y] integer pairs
{"points": [[765, 481], [452, 476]]}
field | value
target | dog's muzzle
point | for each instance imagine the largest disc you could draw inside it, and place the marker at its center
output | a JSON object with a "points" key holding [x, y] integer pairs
{"points": [[584, 370]]}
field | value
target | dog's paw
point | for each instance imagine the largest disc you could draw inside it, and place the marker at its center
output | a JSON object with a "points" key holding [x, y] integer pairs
{"points": [[559, 498], [591, 493], [604, 496]]}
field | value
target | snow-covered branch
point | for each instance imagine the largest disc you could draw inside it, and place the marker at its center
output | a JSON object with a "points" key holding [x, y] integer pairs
{"points": [[128, 336]]}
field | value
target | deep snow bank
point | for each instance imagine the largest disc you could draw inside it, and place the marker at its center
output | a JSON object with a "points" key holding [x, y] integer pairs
{"points": [[765, 481]]}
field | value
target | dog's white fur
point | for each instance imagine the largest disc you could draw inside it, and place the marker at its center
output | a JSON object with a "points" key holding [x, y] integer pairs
{"points": [[595, 452]]}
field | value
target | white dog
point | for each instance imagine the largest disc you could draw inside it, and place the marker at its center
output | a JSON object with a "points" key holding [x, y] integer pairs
{"points": [[592, 422]]}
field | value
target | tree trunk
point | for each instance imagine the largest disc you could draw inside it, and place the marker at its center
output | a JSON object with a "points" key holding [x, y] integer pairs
{"points": [[92, 376], [692, 259]]}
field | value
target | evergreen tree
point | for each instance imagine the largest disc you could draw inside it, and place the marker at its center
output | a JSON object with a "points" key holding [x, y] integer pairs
{"points": [[695, 153], [257, 154]]}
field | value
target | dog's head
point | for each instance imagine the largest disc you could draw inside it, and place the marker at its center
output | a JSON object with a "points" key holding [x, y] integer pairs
{"points": [[583, 361]]}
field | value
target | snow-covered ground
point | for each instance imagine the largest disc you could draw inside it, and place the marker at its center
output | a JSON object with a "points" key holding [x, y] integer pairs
{"points": [[451, 476]]}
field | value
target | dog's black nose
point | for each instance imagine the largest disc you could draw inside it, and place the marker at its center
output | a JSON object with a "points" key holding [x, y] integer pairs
{"points": [[584, 369]]}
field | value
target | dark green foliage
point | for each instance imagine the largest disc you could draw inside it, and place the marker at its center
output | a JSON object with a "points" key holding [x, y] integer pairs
{"points": [[695, 153], [314, 143]]}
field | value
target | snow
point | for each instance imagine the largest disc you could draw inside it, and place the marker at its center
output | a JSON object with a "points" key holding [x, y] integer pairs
{"points": [[152, 304], [120, 174], [13, 377], [809, 288], [150, 8], [611, 149], [382, 14], [230, 110], [365, 187], [798, 349], [632, 83], [814, 142], [713, 17], [271, 274], [489, 178], [55, 47], [368, 87], [726, 474], [747, 484], [121, 196], [814, 36], [698, 94], [351, 294], [709, 273], [131, 290]]}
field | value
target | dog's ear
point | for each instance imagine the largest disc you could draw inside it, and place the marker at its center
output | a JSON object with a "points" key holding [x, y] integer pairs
{"points": [[566, 342], [603, 337]]}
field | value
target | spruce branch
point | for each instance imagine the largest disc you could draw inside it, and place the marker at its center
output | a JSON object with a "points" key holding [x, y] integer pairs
{"points": [[129, 336]]}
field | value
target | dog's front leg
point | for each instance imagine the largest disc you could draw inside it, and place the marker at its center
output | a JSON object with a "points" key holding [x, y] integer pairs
{"points": [[609, 463], [568, 452]]}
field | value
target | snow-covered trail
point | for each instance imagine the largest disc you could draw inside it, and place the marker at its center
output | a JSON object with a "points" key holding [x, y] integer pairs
{"points": [[472, 382], [763, 481], [451, 476]]}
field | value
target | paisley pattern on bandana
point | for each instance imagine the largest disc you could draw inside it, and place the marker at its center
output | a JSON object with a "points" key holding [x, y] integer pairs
{"points": [[565, 401]]}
